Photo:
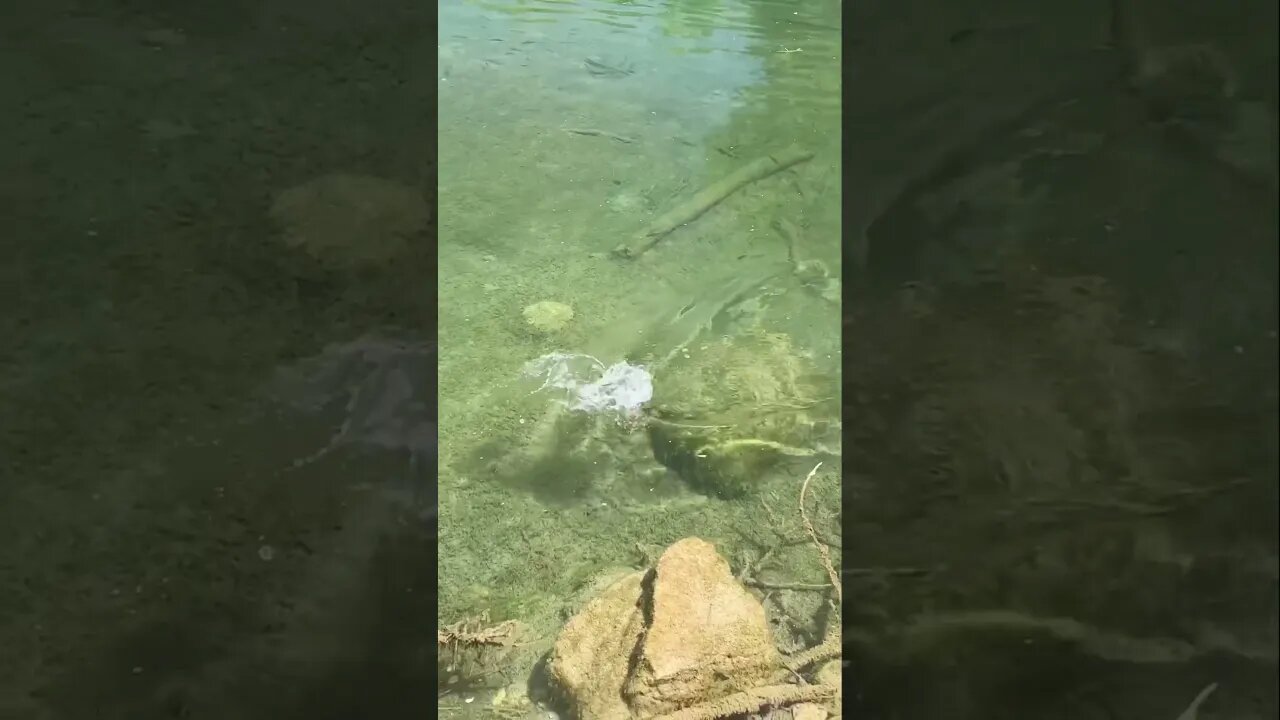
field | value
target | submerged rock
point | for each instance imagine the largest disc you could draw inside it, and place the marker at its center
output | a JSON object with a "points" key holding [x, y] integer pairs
{"points": [[686, 633]]}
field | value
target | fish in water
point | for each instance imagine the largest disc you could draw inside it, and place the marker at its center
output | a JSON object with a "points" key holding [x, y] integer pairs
{"points": [[603, 68]]}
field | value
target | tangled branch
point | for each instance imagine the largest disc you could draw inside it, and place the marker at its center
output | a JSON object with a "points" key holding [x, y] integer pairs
{"points": [[824, 552], [477, 633]]}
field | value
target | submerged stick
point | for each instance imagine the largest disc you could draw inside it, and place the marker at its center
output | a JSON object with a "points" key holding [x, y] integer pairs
{"points": [[708, 198], [593, 132]]}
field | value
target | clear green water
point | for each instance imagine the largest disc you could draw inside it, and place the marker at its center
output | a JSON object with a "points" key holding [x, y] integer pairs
{"points": [[682, 95]]}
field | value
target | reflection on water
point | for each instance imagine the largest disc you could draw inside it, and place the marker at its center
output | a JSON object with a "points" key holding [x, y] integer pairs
{"points": [[702, 138], [695, 65]]}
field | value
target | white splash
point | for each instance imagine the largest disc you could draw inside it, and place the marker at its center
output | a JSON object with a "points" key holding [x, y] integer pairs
{"points": [[589, 386]]}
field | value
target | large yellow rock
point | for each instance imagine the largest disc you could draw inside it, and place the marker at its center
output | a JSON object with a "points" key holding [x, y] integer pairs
{"points": [[707, 636], [683, 634], [591, 658]]}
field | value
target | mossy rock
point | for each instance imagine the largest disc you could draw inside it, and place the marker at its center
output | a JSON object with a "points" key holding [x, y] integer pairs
{"points": [[727, 412], [727, 469]]}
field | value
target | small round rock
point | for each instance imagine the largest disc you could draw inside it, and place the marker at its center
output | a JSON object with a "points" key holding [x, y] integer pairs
{"points": [[548, 317]]}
